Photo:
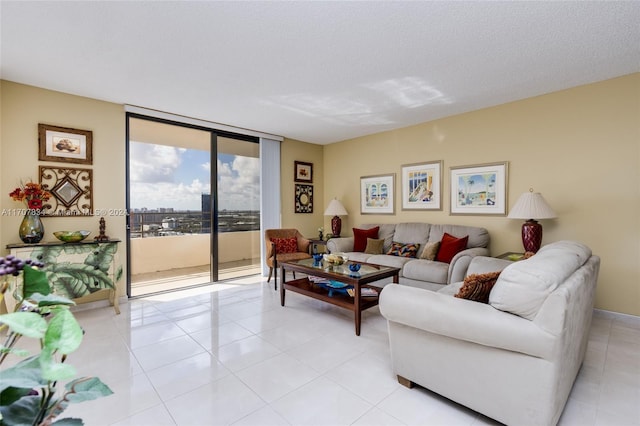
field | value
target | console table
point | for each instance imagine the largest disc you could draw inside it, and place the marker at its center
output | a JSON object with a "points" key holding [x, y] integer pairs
{"points": [[75, 270]]}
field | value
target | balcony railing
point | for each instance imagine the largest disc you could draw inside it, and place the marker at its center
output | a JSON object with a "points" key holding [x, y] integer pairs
{"points": [[176, 252], [164, 223]]}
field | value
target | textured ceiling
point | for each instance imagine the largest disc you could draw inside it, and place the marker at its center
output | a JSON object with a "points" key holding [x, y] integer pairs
{"points": [[319, 72]]}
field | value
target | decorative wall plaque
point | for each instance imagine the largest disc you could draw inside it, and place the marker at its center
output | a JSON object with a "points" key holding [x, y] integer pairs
{"points": [[304, 199], [72, 191]]}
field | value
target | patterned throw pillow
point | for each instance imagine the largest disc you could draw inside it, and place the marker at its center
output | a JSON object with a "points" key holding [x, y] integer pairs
{"points": [[403, 250], [430, 250], [285, 245], [477, 287], [374, 246]]}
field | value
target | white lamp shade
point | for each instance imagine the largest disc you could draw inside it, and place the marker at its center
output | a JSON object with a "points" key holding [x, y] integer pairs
{"points": [[335, 208], [531, 205]]}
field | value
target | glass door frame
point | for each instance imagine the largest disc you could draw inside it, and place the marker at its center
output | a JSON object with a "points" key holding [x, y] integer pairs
{"points": [[213, 181]]}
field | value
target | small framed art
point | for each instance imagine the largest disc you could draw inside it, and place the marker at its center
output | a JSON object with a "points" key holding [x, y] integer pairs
{"points": [[479, 189], [377, 194], [304, 198], [303, 172], [65, 145], [422, 186]]}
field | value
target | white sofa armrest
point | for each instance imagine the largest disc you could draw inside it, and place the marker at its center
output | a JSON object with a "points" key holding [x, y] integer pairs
{"points": [[342, 244], [464, 320], [460, 262]]}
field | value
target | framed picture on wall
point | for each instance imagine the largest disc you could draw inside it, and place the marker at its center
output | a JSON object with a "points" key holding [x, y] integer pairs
{"points": [[303, 198], [479, 189], [63, 144], [422, 186], [303, 172], [377, 194]]}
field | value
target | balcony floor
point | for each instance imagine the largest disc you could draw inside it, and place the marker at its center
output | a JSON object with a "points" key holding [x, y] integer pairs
{"points": [[181, 278]]}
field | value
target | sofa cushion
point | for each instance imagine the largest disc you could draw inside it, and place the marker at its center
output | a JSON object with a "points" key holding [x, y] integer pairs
{"points": [[477, 287], [426, 270], [357, 256], [478, 237], [374, 246], [360, 237], [523, 286], [386, 260], [412, 232], [451, 289], [285, 245], [403, 250], [430, 250], [450, 246]]}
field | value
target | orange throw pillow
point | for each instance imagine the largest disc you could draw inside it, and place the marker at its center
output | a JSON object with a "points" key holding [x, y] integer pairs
{"points": [[477, 287], [450, 246]]}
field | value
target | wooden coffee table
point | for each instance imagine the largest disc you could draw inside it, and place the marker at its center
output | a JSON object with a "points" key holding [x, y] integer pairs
{"points": [[368, 273]]}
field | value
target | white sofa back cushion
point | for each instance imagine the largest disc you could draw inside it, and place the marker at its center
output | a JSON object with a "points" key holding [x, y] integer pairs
{"points": [[523, 286]]}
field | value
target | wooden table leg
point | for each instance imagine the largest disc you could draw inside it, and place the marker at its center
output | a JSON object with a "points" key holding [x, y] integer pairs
{"points": [[356, 307], [113, 298], [282, 287]]}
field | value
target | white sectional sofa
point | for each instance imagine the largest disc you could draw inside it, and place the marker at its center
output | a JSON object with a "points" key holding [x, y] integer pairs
{"points": [[514, 359], [428, 274]]}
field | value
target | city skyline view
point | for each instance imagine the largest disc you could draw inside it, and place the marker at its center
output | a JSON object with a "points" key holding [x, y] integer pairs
{"points": [[163, 176]]}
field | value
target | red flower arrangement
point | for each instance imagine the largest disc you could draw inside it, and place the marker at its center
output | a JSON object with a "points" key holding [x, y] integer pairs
{"points": [[32, 194]]}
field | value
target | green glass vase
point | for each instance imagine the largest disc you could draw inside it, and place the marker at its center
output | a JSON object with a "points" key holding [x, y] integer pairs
{"points": [[31, 228]]}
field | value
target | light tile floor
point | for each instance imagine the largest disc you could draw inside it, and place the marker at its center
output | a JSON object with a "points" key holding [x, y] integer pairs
{"points": [[230, 354]]}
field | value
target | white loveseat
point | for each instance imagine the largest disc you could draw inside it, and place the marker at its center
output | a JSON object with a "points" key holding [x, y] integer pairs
{"points": [[428, 274], [514, 359]]}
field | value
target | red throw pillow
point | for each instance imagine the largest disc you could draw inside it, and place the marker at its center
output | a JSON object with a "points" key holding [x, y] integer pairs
{"points": [[450, 246], [285, 245], [360, 237]]}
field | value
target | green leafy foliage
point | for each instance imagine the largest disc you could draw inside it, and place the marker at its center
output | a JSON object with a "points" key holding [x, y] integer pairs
{"points": [[75, 280], [28, 389], [35, 281], [86, 389], [101, 257], [28, 324]]}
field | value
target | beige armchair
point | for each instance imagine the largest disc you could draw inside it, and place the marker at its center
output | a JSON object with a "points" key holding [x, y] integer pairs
{"points": [[277, 238]]}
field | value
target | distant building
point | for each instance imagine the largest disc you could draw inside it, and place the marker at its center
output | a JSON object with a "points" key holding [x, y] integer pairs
{"points": [[206, 213]]}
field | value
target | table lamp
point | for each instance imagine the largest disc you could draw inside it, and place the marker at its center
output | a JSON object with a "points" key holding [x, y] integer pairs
{"points": [[531, 206], [335, 209]]}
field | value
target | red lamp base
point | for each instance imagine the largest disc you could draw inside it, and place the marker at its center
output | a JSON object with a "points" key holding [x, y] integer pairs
{"points": [[531, 235], [336, 226]]}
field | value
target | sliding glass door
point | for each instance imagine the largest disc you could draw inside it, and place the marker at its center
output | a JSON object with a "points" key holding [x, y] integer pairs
{"points": [[193, 198]]}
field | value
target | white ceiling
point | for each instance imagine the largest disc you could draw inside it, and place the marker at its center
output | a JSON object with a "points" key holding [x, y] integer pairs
{"points": [[319, 72]]}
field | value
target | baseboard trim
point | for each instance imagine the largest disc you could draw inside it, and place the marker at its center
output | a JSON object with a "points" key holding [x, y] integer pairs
{"points": [[104, 303], [618, 315]]}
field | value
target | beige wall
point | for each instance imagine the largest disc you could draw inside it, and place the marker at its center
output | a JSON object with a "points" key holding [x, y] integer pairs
{"points": [[307, 223], [23, 107], [580, 148]]}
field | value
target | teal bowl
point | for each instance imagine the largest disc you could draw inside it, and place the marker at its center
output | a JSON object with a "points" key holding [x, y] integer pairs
{"points": [[71, 236]]}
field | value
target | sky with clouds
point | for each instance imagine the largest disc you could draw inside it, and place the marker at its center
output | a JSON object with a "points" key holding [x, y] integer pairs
{"points": [[167, 176]]}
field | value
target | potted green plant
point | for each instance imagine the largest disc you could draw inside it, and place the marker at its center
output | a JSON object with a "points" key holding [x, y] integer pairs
{"points": [[31, 390]]}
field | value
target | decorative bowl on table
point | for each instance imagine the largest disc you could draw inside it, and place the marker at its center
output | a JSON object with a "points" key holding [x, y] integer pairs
{"points": [[335, 258], [354, 267], [71, 236]]}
